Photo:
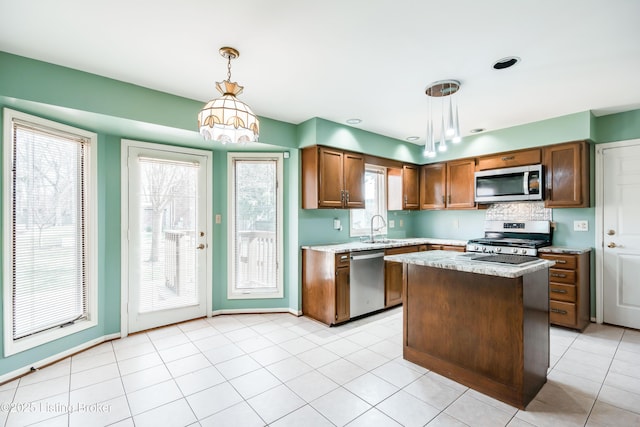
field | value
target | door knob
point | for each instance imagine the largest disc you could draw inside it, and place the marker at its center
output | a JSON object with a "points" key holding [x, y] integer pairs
{"points": [[611, 232], [611, 245], [200, 246]]}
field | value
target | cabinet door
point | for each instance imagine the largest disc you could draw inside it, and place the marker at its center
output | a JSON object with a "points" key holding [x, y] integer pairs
{"points": [[432, 186], [330, 178], [509, 159], [354, 180], [567, 175], [392, 283], [410, 187], [342, 295], [460, 184]]}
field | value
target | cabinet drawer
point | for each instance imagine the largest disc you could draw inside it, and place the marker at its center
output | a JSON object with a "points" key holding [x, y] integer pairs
{"points": [[562, 276], [567, 262], [401, 250], [561, 292], [505, 160], [453, 248], [343, 260], [562, 313]]}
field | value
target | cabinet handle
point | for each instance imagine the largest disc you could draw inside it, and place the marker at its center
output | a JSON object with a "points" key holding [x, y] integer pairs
{"points": [[558, 275], [556, 310], [405, 199], [505, 158], [343, 257], [342, 196], [560, 261], [559, 291], [443, 200], [347, 196], [449, 199]]}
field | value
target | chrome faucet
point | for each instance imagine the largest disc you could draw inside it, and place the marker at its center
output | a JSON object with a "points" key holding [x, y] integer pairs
{"points": [[384, 224]]}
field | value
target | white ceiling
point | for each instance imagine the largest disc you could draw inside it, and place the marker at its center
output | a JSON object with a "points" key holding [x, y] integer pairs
{"points": [[340, 59]]}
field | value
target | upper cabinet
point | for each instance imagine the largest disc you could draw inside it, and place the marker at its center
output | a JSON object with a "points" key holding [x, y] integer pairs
{"points": [[448, 185], [410, 187], [510, 159], [332, 178], [567, 175]]}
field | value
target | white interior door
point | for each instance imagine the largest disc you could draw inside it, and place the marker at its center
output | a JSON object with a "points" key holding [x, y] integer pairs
{"points": [[168, 235], [621, 235]]}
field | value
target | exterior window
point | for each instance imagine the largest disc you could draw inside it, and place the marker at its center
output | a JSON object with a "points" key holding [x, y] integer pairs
{"points": [[375, 203], [255, 234], [49, 266]]}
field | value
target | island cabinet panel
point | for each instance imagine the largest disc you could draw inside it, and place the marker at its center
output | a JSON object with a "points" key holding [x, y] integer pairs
{"points": [[510, 159], [567, 175], [487, 332], [325, 286]]}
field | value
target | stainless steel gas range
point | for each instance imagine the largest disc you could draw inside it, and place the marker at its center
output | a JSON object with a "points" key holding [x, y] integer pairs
{"points": [[512, 237]]}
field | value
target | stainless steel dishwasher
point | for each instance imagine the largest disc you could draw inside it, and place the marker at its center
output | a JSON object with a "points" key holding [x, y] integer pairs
{"points": [[366, 292]]}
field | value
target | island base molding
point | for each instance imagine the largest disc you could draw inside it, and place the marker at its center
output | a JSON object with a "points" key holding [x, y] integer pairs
{"points": [[486, 332]]}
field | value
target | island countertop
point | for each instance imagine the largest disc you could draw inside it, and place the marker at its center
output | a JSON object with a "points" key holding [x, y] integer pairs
{"points": [[450, 260]]}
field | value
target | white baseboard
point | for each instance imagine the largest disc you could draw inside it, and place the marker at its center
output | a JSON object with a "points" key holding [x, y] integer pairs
{"points": [[56, 357], [256, 311]]}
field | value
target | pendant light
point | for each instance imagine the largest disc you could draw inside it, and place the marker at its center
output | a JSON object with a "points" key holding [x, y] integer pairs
{"points": [[227, 119], [449, 121]]}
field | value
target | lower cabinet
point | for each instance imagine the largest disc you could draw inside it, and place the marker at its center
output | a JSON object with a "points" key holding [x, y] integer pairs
{"points": [[456, 248], [569, 283], [325, 286], [393, 275]]}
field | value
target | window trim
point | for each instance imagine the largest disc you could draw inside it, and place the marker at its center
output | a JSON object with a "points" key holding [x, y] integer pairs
{"points": [[360, 232], [255, 294], [12, 346]]}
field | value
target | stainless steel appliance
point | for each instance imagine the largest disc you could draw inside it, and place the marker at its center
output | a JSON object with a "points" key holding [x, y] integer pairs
{"points": [[512, 237], [509, 184], [366, 288]]}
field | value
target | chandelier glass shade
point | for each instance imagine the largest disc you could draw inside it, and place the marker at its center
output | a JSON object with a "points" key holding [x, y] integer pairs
{"points": [[449, 126], [227, 119]]}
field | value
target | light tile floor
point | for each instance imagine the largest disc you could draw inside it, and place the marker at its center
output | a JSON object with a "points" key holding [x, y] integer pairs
{"points": [[279, 370]]}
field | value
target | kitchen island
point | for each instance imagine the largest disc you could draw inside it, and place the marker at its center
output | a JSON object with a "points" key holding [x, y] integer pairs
{"points": [[484, 325]]}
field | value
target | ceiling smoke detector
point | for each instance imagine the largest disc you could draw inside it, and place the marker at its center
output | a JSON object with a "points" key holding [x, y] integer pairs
{"points": [[507, 62]]}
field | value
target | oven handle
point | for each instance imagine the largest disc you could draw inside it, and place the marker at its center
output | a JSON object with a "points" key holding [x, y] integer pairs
{"points": [[525, 183]]}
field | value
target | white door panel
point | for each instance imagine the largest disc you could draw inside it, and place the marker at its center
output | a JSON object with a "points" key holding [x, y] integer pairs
{"points": [[621, 235]]}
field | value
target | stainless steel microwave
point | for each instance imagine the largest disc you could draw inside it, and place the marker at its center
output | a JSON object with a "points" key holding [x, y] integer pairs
{"points": [[509, 184]]}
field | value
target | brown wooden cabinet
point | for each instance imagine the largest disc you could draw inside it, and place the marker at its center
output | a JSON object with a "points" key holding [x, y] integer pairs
{"points": [[433, 247], [403, 188], [509, 159], [325, 286], [567, 175], [410, 187], [332, 178], [569, 289], [448, 185], [393, 274]]}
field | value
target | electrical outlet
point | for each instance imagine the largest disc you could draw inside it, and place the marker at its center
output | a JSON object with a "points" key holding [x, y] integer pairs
{"points": [[401, 223], [336, 224], [582, 225], [392, 224], [218, 218]]}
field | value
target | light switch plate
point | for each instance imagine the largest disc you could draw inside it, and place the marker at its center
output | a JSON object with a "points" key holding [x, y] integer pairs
{"points": [[218, 218], [581, 225], [392, 223]]}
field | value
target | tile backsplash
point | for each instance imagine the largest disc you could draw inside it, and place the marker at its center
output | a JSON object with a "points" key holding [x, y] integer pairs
{"points": [[520, 211]]}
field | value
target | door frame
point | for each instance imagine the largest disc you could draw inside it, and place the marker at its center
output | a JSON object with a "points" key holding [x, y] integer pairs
{"points": [[599, 225], [124, 221]]}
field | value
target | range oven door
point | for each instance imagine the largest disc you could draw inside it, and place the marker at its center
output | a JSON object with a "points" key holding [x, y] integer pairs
{"points": [[509, 184]]}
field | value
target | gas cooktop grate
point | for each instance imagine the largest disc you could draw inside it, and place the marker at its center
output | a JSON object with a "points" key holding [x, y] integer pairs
{"points": [[506, 258]]}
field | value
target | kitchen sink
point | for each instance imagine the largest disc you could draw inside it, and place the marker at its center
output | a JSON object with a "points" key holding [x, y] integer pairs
{"points": [[382, 241]]}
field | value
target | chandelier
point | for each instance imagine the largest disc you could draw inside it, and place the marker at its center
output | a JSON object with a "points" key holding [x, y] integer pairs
{"points": [[449, 123], [227, 119]]}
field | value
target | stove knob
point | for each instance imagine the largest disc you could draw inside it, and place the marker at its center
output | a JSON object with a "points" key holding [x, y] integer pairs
{"points": [[515, 250], [498, 250], [484, 249], [524, 252]]}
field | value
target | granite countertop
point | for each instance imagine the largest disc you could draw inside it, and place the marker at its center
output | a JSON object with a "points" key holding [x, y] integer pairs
{"points": [[462, 262], [563, 250], [384, 244]]}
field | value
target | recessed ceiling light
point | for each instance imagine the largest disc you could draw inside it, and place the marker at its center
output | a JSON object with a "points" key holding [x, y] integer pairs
{"points": [[412, 138], [354, 121], [507, 62], [477, 130]]}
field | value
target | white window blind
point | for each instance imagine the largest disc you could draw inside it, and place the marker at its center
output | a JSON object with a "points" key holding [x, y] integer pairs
{"points": [[375, 203], [256, 241], [49, 229]]}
